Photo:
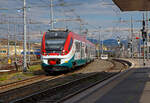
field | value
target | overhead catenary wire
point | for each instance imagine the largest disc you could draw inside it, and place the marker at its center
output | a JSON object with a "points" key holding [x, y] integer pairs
{"points": [[47, 5]]}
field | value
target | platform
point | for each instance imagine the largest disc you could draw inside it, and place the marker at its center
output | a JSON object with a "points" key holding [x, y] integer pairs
{"points": [[132, 87]]}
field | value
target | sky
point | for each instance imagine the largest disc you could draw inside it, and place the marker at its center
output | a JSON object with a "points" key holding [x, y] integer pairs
{"points": [[98, 17]]}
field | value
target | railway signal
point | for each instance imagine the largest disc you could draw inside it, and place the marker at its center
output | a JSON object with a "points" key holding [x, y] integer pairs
{"points": [[144, 36]]}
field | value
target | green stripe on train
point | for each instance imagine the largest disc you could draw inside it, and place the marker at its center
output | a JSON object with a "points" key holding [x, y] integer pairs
{"points": [[70, 63]]}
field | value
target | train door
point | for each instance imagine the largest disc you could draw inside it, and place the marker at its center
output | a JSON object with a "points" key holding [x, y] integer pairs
{"points": [[82, 50], [78, 50], [91, 52], [86, 51]]}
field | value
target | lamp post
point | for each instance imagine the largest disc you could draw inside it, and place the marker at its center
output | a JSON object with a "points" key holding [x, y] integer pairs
{"points": [[99, 44], [52, 14], [131, 37], [147, 37], [25, 43], [8, 37], [15, 43], [29, 43], [102, 47]]}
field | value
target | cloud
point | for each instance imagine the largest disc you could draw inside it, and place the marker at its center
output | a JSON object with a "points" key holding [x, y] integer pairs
{"points": [[92, 9]]}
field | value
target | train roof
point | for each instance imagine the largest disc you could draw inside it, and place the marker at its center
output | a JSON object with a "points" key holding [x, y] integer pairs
{"points": [[64, 34], [81, 38]]}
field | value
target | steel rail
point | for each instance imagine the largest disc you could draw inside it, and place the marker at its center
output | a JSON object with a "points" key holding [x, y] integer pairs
{"points": [[92, 85], [66, 85], [44, 92]]}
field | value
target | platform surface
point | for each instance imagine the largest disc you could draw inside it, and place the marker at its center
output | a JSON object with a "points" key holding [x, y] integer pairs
{"points": [[132, 88]]}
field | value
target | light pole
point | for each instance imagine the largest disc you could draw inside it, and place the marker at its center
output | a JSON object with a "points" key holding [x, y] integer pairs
{"points": [[131, 38], [15, 43], [29, 43], [8, 37], [52, 14], [25, 43], [102, 46], [147, 37], [99, 43]]}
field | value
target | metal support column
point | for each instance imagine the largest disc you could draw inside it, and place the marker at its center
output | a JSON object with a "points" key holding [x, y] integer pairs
{"points": [[132, 51], [25, 44], [147, 37], [15, 44], [102, 45], [52, 14], [8, 37], [99, 43]]}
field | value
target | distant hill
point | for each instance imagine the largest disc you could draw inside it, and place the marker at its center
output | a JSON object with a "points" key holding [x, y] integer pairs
{"points": [[110, 42], [93, 40]]}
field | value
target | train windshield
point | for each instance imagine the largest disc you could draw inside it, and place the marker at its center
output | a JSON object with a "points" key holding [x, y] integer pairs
{"points": [[54, 41]]}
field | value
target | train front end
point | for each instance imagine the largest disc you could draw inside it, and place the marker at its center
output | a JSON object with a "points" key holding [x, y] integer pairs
{"points": [[57, 54]]}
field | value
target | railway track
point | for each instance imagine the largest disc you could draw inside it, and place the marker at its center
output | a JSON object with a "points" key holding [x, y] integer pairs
{"points": [[10, 91], [33, 92], [18, 83], [15, 68]]}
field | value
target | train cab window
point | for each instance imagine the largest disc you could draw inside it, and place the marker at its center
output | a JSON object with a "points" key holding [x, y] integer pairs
{"points": [[71, 42], [55, 41]]}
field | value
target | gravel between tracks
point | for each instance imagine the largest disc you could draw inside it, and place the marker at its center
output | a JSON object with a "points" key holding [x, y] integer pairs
{"points": [[96, 66]]}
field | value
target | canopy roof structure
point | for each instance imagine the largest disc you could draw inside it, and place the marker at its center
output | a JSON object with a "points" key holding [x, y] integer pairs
{"points": [[133, 5]]}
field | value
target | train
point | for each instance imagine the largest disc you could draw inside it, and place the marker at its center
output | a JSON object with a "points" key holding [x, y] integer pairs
{"points": [[64, 50]]}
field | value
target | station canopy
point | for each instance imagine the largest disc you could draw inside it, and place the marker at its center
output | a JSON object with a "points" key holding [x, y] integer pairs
{"points": [[133, 5]]}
